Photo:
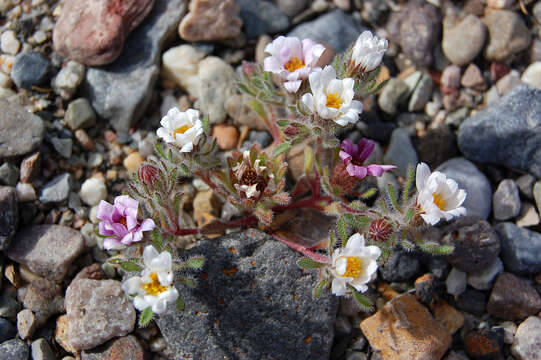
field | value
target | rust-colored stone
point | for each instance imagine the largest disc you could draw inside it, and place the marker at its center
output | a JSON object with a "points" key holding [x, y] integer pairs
{"points": [[404, 329]]}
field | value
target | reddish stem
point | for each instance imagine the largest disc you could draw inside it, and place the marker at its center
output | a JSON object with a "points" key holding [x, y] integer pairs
{"points": [[270, 120], [312, 255]]}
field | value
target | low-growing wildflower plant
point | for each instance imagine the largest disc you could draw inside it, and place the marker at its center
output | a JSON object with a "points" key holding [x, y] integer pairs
{"points": [[301, 104]]}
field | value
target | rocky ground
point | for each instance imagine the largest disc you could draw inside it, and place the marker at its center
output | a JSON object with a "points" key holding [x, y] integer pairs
{"points": [[80, 101]]}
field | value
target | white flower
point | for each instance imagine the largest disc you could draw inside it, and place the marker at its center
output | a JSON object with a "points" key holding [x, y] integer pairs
{"points": [[355, 264], [368, 51], [292, 59], [181, 128], [154, 288], [332, 98], [438, 196]]}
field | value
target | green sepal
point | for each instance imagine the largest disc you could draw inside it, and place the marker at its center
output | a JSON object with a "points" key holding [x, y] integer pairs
{"points": [[206, 123], [188, 282], [181, 305], [308, 264], [362, 300], [324, 283], [146, 317]]}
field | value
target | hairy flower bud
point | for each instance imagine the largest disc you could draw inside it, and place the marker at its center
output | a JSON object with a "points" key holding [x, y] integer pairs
{"points": [[342, 179], [380, 230], [148, 174]]}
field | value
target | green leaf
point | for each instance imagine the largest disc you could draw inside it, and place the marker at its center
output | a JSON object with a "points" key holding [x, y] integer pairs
{"points": [[368, 193], [180, 304], [258, 108], [307, 263], [342, 229], [194, 263], [282, 148], [324, 283], [356, 222], [157, 240], [332, 242], [159, 149], [409, 214], [391, 191], [146, 317], [245, 89], [409, 183], [188, 282], [282, 123], [362, 300], [436, 249], [206, 123], [130, 266]]}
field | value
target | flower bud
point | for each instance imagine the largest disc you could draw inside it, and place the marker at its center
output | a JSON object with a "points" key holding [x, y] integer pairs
{"points": [[380, 230], [148, 174]]}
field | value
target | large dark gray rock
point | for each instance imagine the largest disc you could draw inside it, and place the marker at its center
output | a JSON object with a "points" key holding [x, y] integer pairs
{"points": [[20, 130], [401, 266], [262, 17], [252, 302], [479, 193], [9, 217], [14, 350], [521, 249], [120, 92], [506, 133], [336, 29]]}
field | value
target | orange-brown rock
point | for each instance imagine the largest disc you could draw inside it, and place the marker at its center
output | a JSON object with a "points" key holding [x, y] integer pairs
{"points": [[448, 316], [405, 330]]}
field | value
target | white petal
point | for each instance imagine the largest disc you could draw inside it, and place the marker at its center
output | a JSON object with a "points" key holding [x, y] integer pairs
{"points": [[162, 262], [338, 287], [159, 306], [165, 277], [356, 241], [133, 285], [140, 303], [187, 147], [169, 295], [292, 86], [422, 174], [341, 265], [149, 254], [308, 101]]}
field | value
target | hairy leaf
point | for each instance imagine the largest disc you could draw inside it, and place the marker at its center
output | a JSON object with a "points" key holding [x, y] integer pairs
{"points": [[307, 263], [409, 183], [343, 230], [180, 304], [130, 266], [194, 263], [189, 282], [362, 300], [391, 191], [324, 283], [146, 317], [157, 240], [258, 108]]}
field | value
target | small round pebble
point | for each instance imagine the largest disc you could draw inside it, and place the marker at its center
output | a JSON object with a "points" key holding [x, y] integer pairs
{"points": [[93, 191], [9, 43], [132, 161]]}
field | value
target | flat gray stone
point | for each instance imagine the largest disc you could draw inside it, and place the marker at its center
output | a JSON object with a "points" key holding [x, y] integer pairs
{"points": [[401, 152], [20, 131], [479, 193], [14, 350], [506, 200], [41, 350], [336, 29], [47, 250], [56, 190], [262, 17], [97, 311], [521, 249], [253, 303], [120, 92], [506, 133]]}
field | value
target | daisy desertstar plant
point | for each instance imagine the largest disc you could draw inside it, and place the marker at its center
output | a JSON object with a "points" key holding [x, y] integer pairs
{"points": [[304, 106]]}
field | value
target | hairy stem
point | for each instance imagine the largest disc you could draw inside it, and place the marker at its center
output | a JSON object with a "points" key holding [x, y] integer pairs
{"points": [[302, 249]]}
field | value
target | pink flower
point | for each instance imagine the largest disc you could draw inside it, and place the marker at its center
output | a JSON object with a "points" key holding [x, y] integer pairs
{"points": [[292, 59], [354, 157], [119, 222]]}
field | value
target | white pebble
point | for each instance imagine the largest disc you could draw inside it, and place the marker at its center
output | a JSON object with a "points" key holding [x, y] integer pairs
{"points": [[181, 65], [9, 43], [532, 75], [68, 79], [25, 192], [92, 191]]}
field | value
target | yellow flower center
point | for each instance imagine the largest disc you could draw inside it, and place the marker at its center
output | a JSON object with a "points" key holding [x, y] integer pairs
{"points": [[353, 267], [154, 287], [334, 101], [181, 130], [440, 203], [294, 64]]}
